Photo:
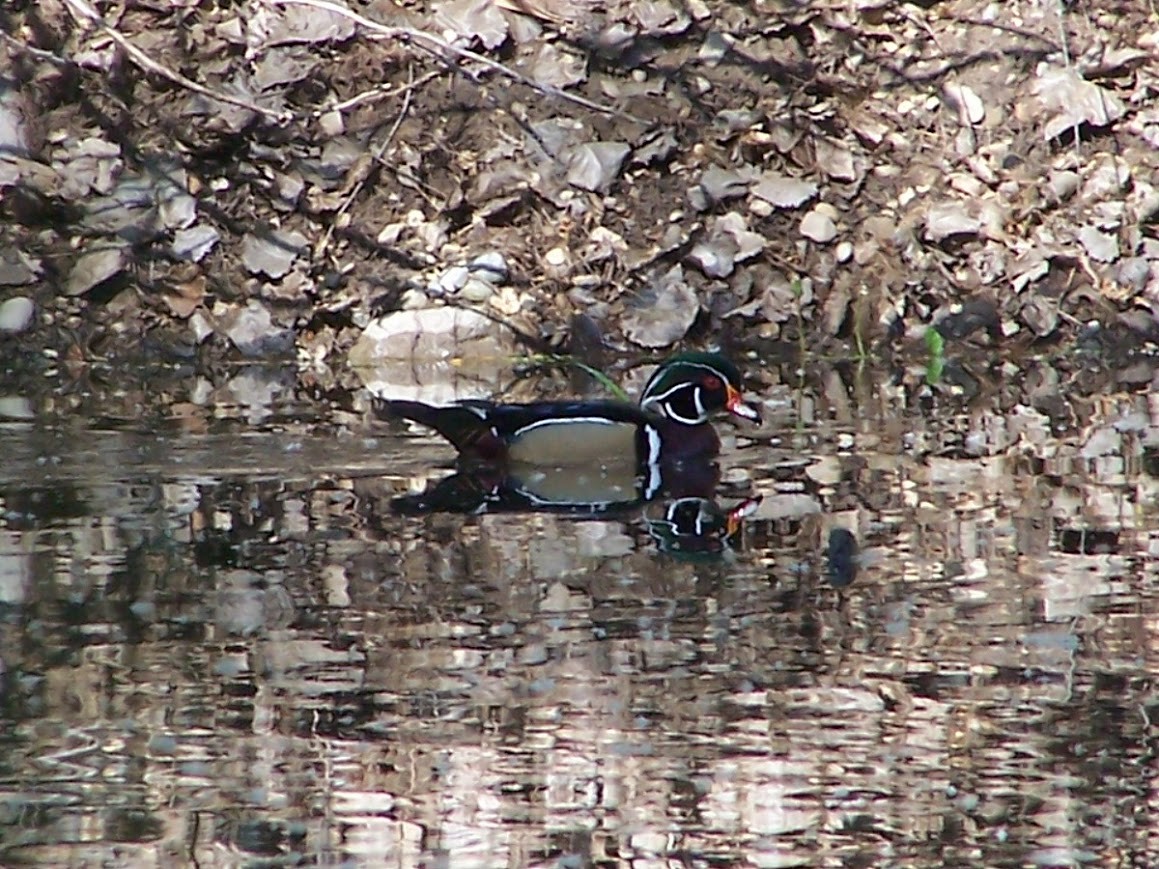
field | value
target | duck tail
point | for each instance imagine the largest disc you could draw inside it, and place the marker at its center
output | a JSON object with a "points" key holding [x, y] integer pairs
{"points": [[465, 426]]}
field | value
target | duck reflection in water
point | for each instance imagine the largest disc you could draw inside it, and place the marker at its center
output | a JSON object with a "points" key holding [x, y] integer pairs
{"points": [[681, 513]]}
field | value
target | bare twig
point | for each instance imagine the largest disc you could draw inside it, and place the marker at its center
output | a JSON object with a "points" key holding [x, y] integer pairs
{"points": [[922, 24], [1062, 38], [430, 42], [381, 92], [38, 53], [324, 242], [83, 10], [1005, 28]]}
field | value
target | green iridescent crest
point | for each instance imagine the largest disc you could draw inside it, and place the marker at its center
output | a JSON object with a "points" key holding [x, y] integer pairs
{"points": [[693, 387]]}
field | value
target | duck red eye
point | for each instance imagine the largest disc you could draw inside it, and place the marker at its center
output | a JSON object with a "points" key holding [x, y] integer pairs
{"points": [[712, 382]]}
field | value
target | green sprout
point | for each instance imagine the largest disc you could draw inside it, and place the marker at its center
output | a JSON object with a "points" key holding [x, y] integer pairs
{"points": [[936, 355]]}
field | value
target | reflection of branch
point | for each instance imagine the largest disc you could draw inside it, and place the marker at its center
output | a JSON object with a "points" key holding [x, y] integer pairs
{"points": [[435, 44], [83, 9]]}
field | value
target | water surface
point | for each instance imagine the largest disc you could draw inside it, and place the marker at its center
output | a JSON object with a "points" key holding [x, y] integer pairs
{"points": [[219, 647]]}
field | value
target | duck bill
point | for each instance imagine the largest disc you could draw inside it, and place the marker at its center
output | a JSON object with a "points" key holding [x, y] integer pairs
{"points": [[737, 406]]}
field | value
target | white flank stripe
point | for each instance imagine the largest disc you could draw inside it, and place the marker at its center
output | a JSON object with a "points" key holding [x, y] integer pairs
{"points": [[599, 420]]}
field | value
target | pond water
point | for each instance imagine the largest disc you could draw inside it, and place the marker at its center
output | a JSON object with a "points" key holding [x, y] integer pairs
{"points": [[219, 646]]}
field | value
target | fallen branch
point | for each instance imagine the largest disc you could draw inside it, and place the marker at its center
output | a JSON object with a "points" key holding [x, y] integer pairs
{"points": [[381, 92], [324, 242], [430, 42], [84, 11]]}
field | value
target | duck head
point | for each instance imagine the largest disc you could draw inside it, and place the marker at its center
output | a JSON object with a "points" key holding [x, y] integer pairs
{"points": [[692, 388]]}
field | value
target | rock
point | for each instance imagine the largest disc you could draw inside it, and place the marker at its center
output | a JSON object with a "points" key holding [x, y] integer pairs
{"points": [[252, 331], [970, 108], [836, 160], [472, 20], [490, 266], [94, 268], [437, 355], [783, 191], [946, 219], [274, 253], [16, 407], [662, 313], [16, 314], [17, 268], [1134, 272], [1063, 184], [721, 184], [1071, 102], [195, 242], [594, 166], [476, 290], [819, 227], [452, 280], [714, 257], [1101, 246]]}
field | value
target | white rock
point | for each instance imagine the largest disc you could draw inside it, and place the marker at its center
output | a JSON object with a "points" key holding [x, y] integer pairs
{"points": [[1101, 246], [16, 314], [945, 219], [969, 105], [16, 407], [476, 290], [453, 279], [784, 191], [491, 266], [818, 227]]}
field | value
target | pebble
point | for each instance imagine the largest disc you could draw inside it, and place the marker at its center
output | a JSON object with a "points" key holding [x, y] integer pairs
{"points": [[16, 314], [453, 279], [818, 227], [476, 290], [491, 265]]}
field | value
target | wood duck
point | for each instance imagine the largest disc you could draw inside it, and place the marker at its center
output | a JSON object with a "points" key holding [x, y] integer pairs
{"points": [[670, 425]]}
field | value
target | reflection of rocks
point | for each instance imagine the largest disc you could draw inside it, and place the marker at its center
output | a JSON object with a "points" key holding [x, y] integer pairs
{"points": [[226, 630], [438, 355], [246, 605]]}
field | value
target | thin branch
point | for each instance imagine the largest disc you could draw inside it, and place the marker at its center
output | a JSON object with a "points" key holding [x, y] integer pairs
{"points": [[324, 242], [381, 92], [1005, 28], [430, 42], [82, 9], [38, 53]]}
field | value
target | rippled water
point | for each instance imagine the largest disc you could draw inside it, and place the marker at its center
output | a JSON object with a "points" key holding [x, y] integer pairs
{"points": [[224, 649]]}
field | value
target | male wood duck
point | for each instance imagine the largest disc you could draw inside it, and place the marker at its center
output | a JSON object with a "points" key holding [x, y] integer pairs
{"points": [[670, 425]]}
